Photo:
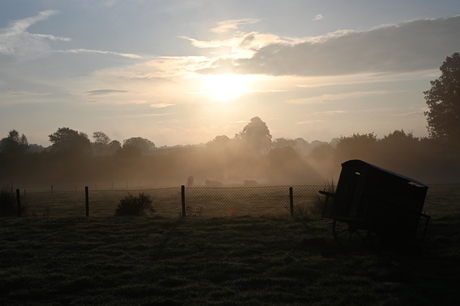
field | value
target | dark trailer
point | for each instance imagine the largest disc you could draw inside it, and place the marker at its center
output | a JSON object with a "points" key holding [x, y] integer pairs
{"points": [[371, 202]]}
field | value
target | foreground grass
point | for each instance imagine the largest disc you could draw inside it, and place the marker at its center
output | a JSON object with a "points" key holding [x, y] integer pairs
{"points": [[204, 261]]}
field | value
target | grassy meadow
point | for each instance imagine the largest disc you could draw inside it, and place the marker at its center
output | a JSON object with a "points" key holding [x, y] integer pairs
{"points": [[241, 260]]}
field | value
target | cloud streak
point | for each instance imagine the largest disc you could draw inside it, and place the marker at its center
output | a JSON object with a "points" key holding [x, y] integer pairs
{"points": [[228, 25], [410, 46], [318, 17], [335, 97], [15, 40], [128, 55], [103, 92]]}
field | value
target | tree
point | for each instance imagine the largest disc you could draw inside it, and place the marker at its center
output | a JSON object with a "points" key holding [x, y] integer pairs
{"points": [[14, 144], [70, 141], [137, 146], [358, 146], [101, 143], [443, 101], [256, 135]]}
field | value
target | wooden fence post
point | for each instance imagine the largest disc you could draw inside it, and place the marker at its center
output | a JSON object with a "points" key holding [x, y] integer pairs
{"points": [[18, 201], [182, 192], [291, 200], [87, 201]]}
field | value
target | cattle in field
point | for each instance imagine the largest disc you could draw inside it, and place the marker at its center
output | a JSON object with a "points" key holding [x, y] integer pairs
{"points": [[190, 181], [250, 183], [209, 183]]}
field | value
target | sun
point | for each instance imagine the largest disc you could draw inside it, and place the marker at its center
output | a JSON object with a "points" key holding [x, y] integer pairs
{"points": [[226, 86]]}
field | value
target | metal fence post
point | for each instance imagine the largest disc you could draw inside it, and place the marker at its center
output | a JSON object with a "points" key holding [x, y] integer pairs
{"points": [[18, 201], [87, 201], [182, 192], [291, 200]]}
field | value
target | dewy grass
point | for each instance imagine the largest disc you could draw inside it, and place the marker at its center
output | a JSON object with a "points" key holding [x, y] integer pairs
{"points": [[215, 261], [8, 205]]}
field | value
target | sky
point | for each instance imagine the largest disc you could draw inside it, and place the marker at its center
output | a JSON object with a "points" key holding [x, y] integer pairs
{"points": [[183, 72]]}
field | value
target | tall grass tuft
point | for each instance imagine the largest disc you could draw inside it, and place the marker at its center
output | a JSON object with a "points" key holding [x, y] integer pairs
{"points": [[8, 206], [135, 206], [319, 201]]}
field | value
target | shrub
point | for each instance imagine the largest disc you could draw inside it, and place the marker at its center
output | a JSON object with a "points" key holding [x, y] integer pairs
{"points": [[135, 206], [7, 202]]}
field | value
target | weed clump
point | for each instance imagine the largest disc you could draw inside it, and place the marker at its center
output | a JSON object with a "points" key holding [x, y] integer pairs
{"points": [[135, 206], [8, 206]]}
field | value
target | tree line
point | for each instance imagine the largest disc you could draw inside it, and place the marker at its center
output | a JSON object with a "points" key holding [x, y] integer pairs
{"points": [[251, 154]]}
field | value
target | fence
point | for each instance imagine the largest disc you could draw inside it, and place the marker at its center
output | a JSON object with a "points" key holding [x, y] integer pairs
{"points": [[442, 200]]}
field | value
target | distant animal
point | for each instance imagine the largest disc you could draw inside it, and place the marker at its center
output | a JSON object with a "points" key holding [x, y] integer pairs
{"points": [[250, 183], [209, 183], [190, 181]]}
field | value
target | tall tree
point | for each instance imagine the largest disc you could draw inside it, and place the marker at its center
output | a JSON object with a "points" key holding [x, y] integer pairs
{"points": [[14, 144], [101, 143], [443, 101], [256, 135], [68, 140], [138, 146]]}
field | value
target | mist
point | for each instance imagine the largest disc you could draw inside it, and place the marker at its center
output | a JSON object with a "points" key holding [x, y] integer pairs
{"points": [[74, 161]]}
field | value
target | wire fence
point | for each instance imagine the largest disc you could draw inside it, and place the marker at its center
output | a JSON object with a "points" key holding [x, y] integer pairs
{"points": [[442, 200]]}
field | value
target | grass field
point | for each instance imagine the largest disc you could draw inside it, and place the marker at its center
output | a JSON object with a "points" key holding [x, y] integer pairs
{"points": [[218, 261]]}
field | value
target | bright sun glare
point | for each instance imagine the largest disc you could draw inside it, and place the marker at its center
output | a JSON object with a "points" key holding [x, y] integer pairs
{"points": [[226, 86]]}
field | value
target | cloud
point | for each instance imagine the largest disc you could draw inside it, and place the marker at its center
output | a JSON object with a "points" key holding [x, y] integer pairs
{"points": [[102, 92], [334, 97], [318, 17], [161, 105], [225, 26], [243, 45], [15, 40], [410, 46], [128, 55], [309, 121]]}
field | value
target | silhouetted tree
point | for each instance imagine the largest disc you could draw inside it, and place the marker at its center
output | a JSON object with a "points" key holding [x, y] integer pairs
{"points": [[101, 142], [70, 141], [284, 142], [219, 142], [358, 146], [14, 144], [256, 135], [113, 147], [443, 101], [136, 146]]}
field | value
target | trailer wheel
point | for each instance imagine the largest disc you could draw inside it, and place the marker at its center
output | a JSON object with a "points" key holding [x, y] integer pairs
{"points": [[346, 233]]}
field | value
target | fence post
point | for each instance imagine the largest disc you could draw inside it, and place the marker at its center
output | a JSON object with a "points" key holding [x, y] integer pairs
{"points": [[18, 201], [182, 192], [291, 200], [87, 201]]}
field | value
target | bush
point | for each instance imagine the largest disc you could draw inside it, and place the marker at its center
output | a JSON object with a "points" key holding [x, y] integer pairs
{"points": [[8, 206], [135, 206]]}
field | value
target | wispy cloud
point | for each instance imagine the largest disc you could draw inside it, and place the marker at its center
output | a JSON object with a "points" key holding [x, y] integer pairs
{"points": [[161, 105], [128, 55], [145, 115], [28, 94], [309, 121], [243, 45], [318, 17], [225, 26], [334, 97], [15, 40], [102, 92]]}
